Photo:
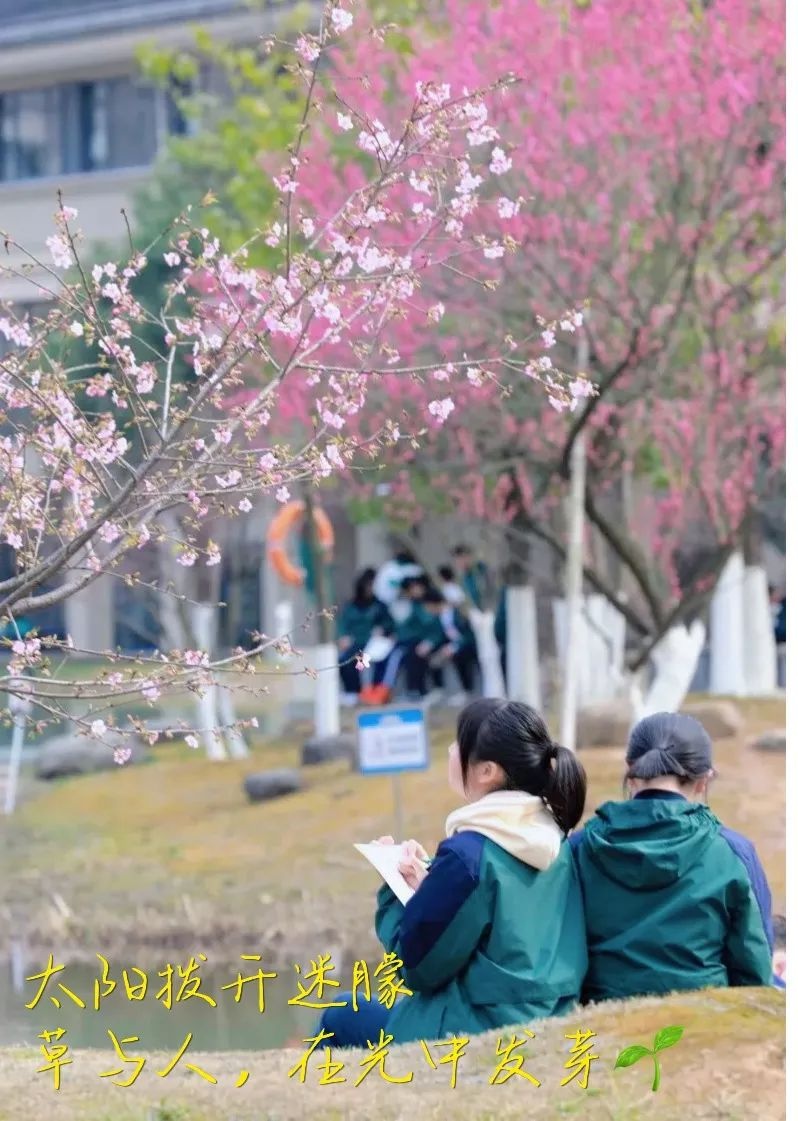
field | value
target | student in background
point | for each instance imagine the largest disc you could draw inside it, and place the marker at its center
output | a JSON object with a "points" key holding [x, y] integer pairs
{"points": [[363, 617], [500, 631], [389, 578], [493, 934], [454, 642], [473, 576], [452, 592], [416, 636], [780, 951], [673, 899]]}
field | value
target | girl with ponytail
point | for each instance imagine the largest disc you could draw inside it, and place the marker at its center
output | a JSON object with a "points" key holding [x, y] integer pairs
{"points": [[494, 933], [673, 899]]}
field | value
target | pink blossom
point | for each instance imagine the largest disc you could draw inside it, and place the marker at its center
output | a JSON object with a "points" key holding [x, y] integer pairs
{"points": [[549, 338], [213, 555], [344, 122], [150, 690], [98, 728], [494, 251], [187, 558], [507, 208], [245, 505], [285, 183], [195, 657], [500, 161], [60, 251], [122, 755], [307, 49], [172, 259], [341, 20], [362, 661], [441, 409], [581, 387], [282, 494], [76, 329]]}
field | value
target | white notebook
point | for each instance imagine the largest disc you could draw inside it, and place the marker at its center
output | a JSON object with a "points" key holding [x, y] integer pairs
{"points": [[385, 858]]}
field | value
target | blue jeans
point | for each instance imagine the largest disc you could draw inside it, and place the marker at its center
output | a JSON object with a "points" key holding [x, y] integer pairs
{"points": [[351, 1028]]}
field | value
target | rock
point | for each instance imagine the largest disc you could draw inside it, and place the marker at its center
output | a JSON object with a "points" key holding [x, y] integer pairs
{"points": [[775, 740], [604, 724], [323, 749], [77, 756], [265, 785], [721, 719]]}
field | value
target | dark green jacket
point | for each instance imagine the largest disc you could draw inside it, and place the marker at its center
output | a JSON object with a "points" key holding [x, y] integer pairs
{"points": [[486, 942], [358, 621], [419, 626], [673, 900]]}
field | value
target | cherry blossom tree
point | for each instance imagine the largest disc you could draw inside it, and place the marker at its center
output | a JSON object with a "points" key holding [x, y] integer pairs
{"points": [[643, 155], [171, 428]]}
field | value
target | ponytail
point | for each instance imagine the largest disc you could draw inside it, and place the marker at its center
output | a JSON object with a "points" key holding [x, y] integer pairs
{"points": [[515, 737], [567, 788], [668, 743]]}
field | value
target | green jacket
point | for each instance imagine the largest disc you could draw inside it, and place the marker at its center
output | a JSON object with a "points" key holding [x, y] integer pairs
{"points": [[358, 621], [488, 940], [419, 626], [673, 900]]}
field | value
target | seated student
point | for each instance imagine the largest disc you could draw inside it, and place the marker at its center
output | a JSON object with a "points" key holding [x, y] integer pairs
{"points": [[673, 899], [780, 951], [452, 592], [416, 635], [453, 640], [361, 619], [500, 630], [494, 934]]}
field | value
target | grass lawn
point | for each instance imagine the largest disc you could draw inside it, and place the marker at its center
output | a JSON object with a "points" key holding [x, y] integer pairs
{"points": [[728, 1066], [170, 855]]}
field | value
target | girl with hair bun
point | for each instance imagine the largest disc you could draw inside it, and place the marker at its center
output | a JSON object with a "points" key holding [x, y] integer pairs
{"points": [[494, 934], [673, 899]]}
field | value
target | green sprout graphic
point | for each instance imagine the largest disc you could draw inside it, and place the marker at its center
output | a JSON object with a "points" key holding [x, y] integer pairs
{"points": [[631, 1055]]}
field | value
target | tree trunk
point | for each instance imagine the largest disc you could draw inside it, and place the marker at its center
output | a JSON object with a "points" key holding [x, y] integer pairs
{"points": [[493, 684], [727, 631], [674, 660], [326, 694], [204, 621], [523, 659]]}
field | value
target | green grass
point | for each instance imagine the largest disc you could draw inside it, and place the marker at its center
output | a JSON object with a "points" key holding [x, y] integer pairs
{"points": [[145, 857], [729, 1066]]}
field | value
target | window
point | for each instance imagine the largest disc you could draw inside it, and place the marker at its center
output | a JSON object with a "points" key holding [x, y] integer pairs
{"points": [[83, 126]]}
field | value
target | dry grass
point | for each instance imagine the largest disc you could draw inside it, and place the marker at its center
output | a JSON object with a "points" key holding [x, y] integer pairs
{"points": [[171, 856], [729, 1066]]}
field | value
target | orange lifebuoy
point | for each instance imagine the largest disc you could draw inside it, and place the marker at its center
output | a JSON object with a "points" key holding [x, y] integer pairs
{"points": [[290, 516]]}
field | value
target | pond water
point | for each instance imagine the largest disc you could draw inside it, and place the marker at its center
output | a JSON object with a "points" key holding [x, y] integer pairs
{"points": [[230, 1026]]}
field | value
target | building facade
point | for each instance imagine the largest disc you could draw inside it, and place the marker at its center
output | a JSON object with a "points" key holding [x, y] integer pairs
{"points": [[76, 115]]}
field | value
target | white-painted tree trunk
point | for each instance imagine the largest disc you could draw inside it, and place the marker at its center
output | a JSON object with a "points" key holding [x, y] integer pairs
{"points": [[284, 622], [523, 662], [600, 645], [326, 700], [727, 631], [203, 618], [760, 655], [674, 661], [488, 653], [605, 634], [233, 735]]}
